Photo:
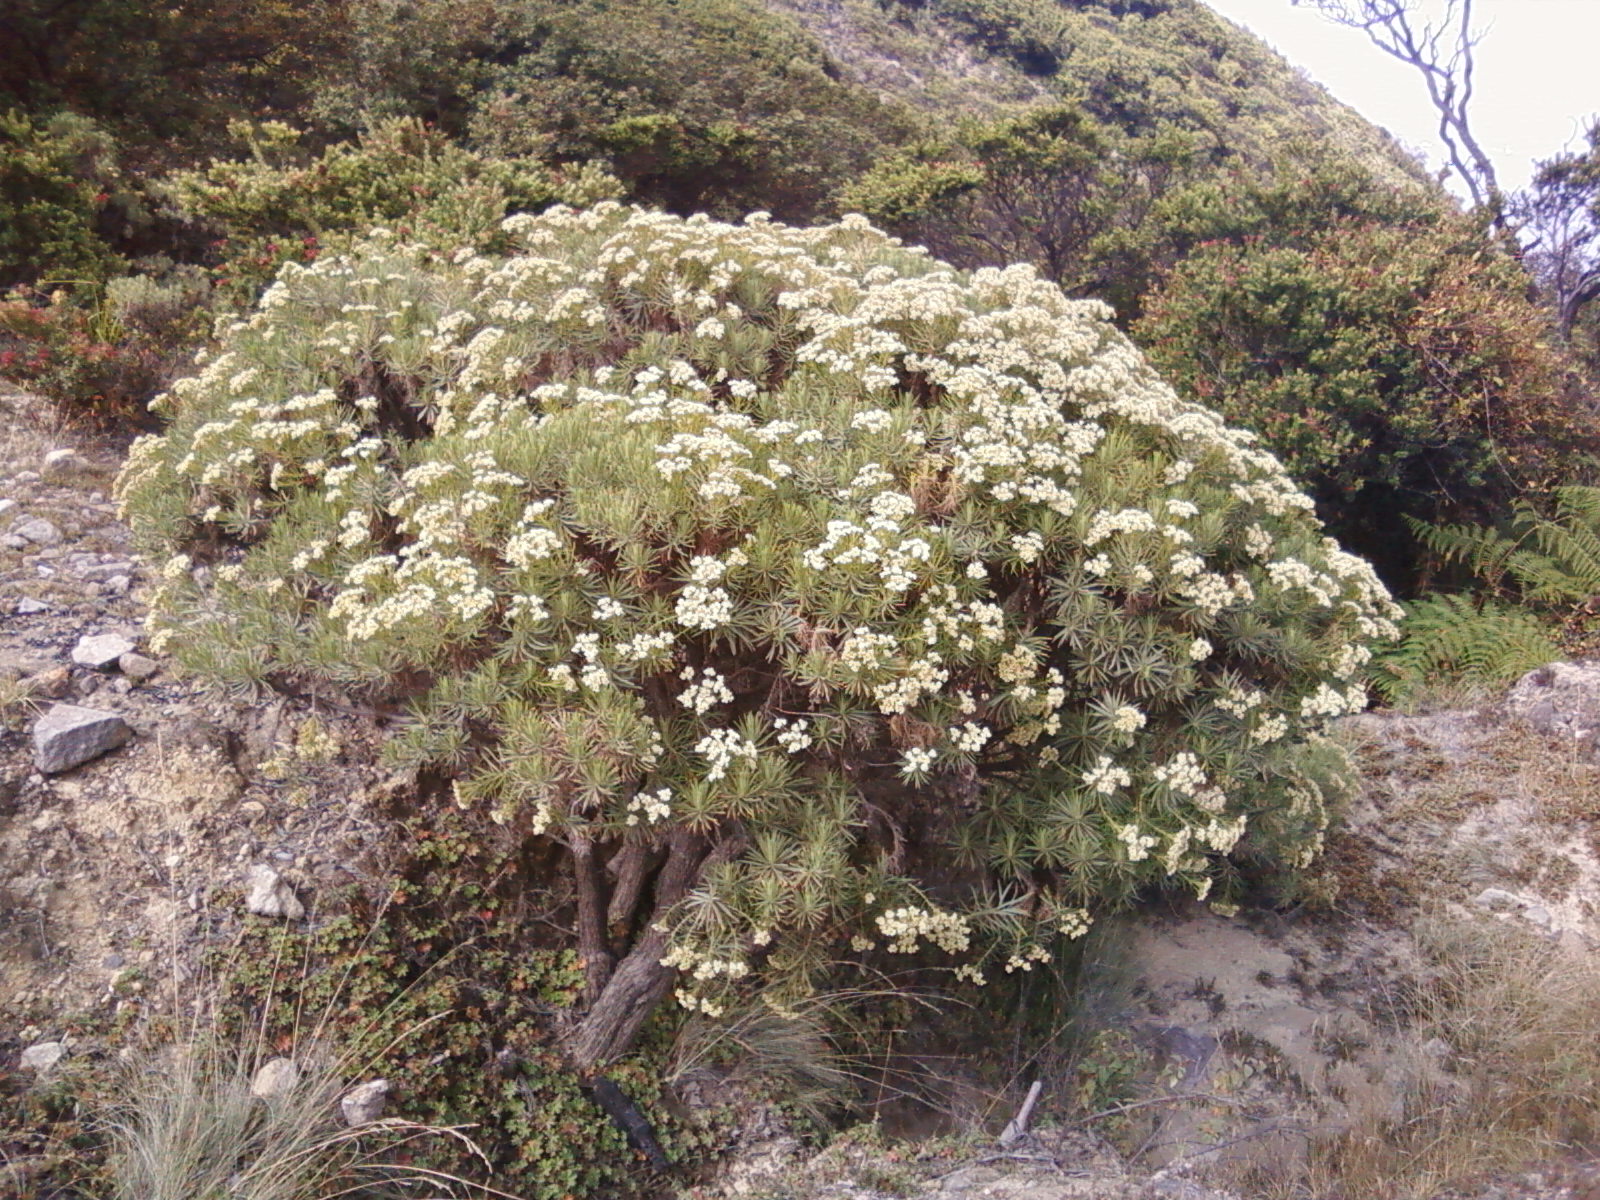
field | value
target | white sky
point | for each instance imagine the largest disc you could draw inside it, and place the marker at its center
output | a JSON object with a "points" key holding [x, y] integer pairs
{"points": [[1537, 80]]}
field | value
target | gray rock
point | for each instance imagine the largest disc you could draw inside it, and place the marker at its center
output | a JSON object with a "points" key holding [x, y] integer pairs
{"points": [[1500, 900], [68, 736], [1538, 914], [1561, 699], [118, 585], [65, 461], [101, 651], [270, 896], [28, 607], [363, 1104], [137, 667], [276, 1077], [25, 477], [13, 542], [7, 506], [106, 570], [38, 531], [41, 1056]]}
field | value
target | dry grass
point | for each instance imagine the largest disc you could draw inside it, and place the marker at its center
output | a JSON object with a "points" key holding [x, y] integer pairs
{"points": [[1519, 1082], [17, 704], [186, 1126]]}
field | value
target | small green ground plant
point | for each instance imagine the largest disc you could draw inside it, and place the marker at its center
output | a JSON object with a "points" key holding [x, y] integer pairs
{"points": [[808, 601]]}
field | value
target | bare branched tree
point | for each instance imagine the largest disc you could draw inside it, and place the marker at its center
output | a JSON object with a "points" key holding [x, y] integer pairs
{"points": [[1559, 219], [1442, 52]]}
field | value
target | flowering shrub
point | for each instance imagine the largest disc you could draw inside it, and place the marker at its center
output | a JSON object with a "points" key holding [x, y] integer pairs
{"points": [[819, 600]]}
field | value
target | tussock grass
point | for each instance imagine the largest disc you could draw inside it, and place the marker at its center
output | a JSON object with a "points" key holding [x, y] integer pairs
{"points": [[186, 1126], [184, 1123], [17, 703]]}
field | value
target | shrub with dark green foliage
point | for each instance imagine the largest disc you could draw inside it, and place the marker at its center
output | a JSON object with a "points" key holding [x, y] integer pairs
{"points": [[814, 599], [283, 203], [1052, 187], [698, 105], [1399, 369], [99, 353], [57, 179]]}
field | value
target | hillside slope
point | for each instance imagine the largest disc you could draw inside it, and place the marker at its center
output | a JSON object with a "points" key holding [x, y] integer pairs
{"points": [[1131, 63]]}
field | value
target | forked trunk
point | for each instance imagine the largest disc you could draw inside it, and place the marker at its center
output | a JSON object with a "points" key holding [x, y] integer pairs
{"points": [[613, 1021], [621, 998]]}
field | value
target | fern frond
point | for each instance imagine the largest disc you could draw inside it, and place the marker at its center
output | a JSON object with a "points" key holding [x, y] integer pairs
{"points": [[1484, 550], [1458, 639]]}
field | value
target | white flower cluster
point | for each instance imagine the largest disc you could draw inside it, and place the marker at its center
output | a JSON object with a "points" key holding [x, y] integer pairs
{"points": [[1137, 844], [706, 692], [1181, 773], [970, 737], [1328, 701], [651, 807], [794, 736], [1073, 923], [1024, 959], [907, 927], [1106, 777], [1127, 719], [721, 748], [700, 607]]}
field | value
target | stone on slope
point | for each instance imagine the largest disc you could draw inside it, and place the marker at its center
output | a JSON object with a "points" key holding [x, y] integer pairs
{"points": [[65, 461], [101, 651], [42, 1056], [68, 736], [1563, 699], [38, 531], [364, 1103], [276, 1077], [270, 896], [137, 667]]}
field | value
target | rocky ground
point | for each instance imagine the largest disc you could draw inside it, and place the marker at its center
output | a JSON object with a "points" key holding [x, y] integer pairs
{"points": [[1252, 1037]]}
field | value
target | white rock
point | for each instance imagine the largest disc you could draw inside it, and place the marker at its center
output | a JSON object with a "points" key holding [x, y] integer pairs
{"points": [[270, 896], [42, 1056], [27, 607], [101, 651], [7, 506], [364, 1103], [65, 461], [38, 531], [275, 1077]]}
